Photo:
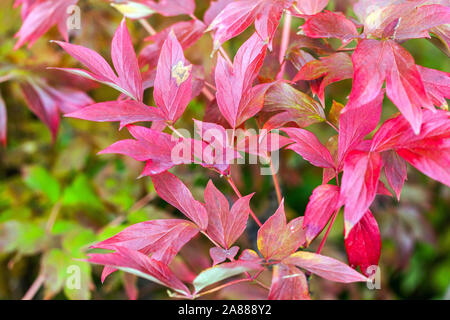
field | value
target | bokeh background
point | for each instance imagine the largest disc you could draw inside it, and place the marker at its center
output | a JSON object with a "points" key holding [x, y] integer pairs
{"points": [[58, 198]]}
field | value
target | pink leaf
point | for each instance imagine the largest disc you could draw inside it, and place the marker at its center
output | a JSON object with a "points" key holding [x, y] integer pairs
{"points": [[187, 33], [163, 239], [219, 255], [172, 190], [395, 170], [173, 86], [214, 9], [225, 225], [239, 15], [311, 7], [355, 122], [429, 151], [363, 243], [125, 62], [437, 85], [171, 8], [3, 121], [276, 239], [100, 69], [262, 144], [288, 283], [321, 206], [235, 82], [127, 111], [43, 105], [324, 267], [359, 185], [330, 25], [417, 23], [39, 18], [404, 84], [333, 68], [309, 147], [138, 263]]}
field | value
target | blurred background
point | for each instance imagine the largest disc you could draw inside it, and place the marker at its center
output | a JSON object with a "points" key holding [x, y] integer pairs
{"points": [[57, 198]]}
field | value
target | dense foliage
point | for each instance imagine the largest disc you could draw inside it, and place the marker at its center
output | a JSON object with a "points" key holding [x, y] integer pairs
{"points": [[214, 239]]}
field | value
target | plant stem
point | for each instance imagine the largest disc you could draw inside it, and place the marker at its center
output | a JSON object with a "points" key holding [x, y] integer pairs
{"points": [[333, 126], [175, 130], [236, 190], [52, 218], [276, 183], [284, 42], [225, 55], [147, 26], [207, 94], [223, 286], [327, 232], [34, 287], [210, 239]]}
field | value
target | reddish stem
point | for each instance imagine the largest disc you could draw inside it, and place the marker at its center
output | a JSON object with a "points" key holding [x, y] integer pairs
{"points": [[276, 183], [322, 243], [34, 287], [236, 190]]}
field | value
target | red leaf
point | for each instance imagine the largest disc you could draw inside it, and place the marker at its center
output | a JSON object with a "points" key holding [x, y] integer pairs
{"points": [[330, 25], [404, 84], [437, 85], [225, 225], [163, 239], [333, 68], [395, 170], [235, 82], [322, 203], [219, 255], [128, 82], [324, 267], [40, 17], [355, 122], [150, 145], [127, 111], [359, 185], [429, 151], [262, 144], [43, 105], [138, 263], [239, 15], [363, 243], [288, 283], [125, 62], [187, 33], [172, 190], [309, 147], [101, 70], [417, 23], [173, 87], [214, 9], [3, 121], [276, 239], [171, 8], [311, 7]]}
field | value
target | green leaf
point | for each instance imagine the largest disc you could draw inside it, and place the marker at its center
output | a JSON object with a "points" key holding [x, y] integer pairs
{"points": [[78, 240], [78, 280], [38, 178], [221, 272], [80, 192], [54, 264], [296, 106]]}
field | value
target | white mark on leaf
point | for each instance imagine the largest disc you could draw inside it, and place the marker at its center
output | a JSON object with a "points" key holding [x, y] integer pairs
{"points": [[180, 72]]}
